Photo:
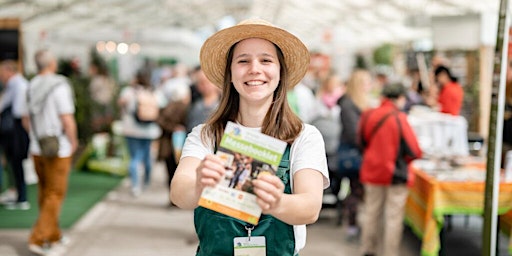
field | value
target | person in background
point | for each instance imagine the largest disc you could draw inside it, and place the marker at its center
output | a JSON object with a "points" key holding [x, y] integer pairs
{"points": [[389, 145], [415, 93], [206, 104], [195, 95], [353, 103], [102, 89], [139, 135], [7, 187], [304, 102], [14, 142], [173, 118], [178, 86], [255, 64], [331, 90], [328, 123], [451, 94], [49, 111]]}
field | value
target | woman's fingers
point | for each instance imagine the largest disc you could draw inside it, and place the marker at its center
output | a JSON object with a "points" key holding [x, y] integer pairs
{"points": [[210, 171], [269, 190]]}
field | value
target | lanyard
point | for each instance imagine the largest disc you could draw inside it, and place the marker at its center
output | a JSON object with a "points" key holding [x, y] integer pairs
{"points": [[249, 228]]}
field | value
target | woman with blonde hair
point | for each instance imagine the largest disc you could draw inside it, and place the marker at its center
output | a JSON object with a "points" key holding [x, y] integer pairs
{"points": [[330, 90], [353, 103]]}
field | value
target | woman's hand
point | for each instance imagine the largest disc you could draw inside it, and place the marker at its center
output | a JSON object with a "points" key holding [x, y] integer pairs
{"points": [[209, 172], [269, 190]]}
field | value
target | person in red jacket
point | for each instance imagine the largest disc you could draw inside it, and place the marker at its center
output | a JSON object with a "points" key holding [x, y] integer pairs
{"points": [[389, 145], [451, 93]]}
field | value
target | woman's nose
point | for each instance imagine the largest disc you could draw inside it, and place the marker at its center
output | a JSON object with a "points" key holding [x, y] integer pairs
{"points": [[254, 67]]}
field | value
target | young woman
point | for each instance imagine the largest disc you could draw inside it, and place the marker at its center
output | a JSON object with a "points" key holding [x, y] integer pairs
{"points": [[254, 64], [139, 135], [352, 104]]}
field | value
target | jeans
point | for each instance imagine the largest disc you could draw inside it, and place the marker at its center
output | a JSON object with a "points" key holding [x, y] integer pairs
{"points": [[15, 147], [53, 174], [140, 152]]}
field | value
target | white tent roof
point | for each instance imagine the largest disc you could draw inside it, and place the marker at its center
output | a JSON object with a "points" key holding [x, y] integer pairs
{"points": [[173, 27]]}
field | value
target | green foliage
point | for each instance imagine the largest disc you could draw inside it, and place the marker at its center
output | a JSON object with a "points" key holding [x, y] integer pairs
{"points": [[383, 55], [86, 109], [361, 62], [83, 107]]}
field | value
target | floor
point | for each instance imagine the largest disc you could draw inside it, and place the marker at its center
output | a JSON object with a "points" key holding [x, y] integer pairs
{"points": [[124, 225]]}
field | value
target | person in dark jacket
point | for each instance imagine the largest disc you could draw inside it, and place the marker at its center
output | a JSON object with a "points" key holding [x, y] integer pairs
{"points": [[389, 145], [352, 104]]}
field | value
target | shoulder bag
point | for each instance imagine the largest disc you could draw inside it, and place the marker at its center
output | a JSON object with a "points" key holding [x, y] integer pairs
{"points": [[49, 145]]}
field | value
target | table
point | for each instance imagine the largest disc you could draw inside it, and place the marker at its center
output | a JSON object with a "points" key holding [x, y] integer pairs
{"points": [[439, 133], [435, 195]]}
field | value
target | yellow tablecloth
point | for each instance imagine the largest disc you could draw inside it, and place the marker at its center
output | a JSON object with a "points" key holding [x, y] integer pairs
{"points": [[430, 199]]}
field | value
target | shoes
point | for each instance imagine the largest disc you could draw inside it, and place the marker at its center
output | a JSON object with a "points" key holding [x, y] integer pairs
{"points": [[352, 233], [39, 249], [136, 192], [8, 195], [17, 206], [55, 248], [63, 241]]}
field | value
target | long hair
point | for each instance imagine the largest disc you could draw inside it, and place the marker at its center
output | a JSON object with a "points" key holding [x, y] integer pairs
{"points": [[355, 88], [280, 122], [143, 78]]}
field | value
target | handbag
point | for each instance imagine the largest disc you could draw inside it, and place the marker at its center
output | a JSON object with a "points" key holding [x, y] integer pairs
{"points": [[349, 155], [349, 159], [401, 173], [6, 121], [49, 146]]}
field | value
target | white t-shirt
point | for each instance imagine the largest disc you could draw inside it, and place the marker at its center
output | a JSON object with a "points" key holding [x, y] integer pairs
{"points": [[47, 122], [307, 151], [306, 102]]}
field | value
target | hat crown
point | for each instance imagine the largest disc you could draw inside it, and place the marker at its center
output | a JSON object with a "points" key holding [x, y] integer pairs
{"points": [[255, 21]]}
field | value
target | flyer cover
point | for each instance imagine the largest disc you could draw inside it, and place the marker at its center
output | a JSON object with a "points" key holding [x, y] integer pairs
{"points": [[247, 153]]}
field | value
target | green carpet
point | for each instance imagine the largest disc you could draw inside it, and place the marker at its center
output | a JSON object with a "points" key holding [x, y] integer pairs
{"points": [[84, 190]]}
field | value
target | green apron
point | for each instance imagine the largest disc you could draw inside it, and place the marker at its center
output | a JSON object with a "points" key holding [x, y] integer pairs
{"points": [[216, 231]]}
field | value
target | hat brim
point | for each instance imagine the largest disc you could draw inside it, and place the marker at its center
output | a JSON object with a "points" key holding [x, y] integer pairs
{"points": [[214, 52]]}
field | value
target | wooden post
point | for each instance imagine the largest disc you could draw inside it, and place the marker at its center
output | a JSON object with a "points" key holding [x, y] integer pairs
{"points": [[495, 134]]}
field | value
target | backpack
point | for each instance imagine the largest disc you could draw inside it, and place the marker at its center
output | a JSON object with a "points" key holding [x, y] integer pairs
{"points": [[146, 107], [329, 125]]}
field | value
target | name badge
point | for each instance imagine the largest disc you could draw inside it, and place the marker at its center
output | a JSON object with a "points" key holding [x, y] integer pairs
{"points": [[250, 246]]}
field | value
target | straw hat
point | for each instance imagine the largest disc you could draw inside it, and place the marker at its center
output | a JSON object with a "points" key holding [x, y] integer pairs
{"points": [[214, 52]]}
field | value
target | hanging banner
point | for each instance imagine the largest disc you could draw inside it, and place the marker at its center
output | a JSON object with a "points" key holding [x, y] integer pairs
{"points": [[489, 234]]}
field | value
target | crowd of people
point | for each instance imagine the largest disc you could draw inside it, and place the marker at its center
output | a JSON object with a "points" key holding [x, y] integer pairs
{"points": [[260, 80]]}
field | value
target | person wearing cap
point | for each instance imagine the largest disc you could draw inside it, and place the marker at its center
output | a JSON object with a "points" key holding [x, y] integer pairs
{"points": [[255, 64], [451, 93], [389, 144]]}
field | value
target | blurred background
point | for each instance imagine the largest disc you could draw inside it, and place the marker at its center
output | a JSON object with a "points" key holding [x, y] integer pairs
{"points": [[397, 40]]}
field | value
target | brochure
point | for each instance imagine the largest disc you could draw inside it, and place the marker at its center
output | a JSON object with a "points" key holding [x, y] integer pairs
{"points": [[247, 153]]}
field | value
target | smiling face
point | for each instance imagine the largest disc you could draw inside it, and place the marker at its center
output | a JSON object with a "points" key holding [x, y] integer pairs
{"points": [[255, 70]]}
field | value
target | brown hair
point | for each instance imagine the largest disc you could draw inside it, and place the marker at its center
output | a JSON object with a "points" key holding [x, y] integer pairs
{"points": [[280, 122]]}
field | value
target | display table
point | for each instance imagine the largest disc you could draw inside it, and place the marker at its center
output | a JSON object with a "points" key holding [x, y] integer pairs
{"points": [[438, 133], [439, 193]]}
